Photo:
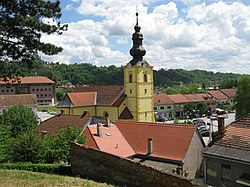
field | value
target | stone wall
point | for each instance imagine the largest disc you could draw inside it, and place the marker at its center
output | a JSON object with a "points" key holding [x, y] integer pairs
{"points": [[100, 166]]}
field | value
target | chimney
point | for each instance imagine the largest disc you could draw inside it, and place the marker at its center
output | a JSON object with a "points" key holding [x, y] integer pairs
{"points": [[108, 122], [150, 146], [62, 112], [99, 129], [221, 126]]}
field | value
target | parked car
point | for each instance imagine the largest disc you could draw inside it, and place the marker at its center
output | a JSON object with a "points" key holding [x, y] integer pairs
{"points": [[53, 113], [204, 133]]}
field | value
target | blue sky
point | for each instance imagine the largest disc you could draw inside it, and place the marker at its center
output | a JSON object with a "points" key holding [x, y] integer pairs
{"points": [[188, 34]]}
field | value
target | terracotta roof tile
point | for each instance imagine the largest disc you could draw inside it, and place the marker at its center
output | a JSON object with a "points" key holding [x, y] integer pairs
{"points": [[28, 80], [106, 95], [24, 99], [217, 94], [54, 124], [82, 98], [178, 98], [231, 92], [112, 141], [237, 134], [169, 141], [162, 99]]}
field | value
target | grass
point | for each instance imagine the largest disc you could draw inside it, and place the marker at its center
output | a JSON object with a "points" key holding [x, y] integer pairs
{"points": [[49, 108], [21, 178]]}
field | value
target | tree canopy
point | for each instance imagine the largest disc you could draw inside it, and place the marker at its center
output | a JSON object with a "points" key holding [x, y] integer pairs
{"points": [[22, 23], [243, 96]]}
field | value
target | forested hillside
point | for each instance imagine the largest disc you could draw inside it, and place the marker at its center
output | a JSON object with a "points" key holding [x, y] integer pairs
{"points": [[88, 74]]}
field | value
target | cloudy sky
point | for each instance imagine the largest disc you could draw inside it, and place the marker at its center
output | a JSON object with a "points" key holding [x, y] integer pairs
{"points": [[189, 34]]}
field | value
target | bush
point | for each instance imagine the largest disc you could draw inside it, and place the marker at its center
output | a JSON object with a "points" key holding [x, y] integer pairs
{"points": [[44, 168]]}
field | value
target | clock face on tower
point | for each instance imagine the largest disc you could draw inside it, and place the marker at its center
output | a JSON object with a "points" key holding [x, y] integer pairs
{"points": [[129, 66], [145, 65]]}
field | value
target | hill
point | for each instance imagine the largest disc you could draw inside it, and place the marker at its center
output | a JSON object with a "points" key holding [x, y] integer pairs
{"points": [[88, 74]]}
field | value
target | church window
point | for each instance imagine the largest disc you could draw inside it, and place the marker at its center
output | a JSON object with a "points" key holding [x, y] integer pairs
{"points": [[130, 78], [145, 78], [146, 114], [145, 91], [130, 91]]}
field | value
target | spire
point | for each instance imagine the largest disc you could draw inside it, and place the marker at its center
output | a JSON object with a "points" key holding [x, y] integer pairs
{"points": [[137, 51]]}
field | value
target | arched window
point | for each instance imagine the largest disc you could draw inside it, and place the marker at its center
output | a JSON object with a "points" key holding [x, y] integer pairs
{"points": [[106, 114], [130, 78], [145, 78]]}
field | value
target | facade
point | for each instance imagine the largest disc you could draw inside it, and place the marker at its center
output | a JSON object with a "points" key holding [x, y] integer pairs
{"points": [[227, 159], [28, 100], [230, 93], [220, 97], [134, 101], [164, 107], [43, 87]]}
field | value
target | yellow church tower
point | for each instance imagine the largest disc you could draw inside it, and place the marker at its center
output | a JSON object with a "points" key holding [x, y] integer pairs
{"points": [[138, 81]]}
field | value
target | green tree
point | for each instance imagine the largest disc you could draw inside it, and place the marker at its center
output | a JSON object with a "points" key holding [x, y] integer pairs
{"points": [[19, 119], [243, 96], [5, 143], [190, 88], [201, 107], [27, 147], [171, 90], [56, 148], [59, 94], [22, 24]]}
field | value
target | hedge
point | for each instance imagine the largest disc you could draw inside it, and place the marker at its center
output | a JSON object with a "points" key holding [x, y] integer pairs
{"points": [[45, 168]]}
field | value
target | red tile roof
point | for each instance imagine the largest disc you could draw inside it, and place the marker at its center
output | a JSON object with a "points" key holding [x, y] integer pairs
{"points": [[231, 92], [28, 80], [162, 99], [54, 124], [111, 142], [106, 95], [217, 94], [178, 98], [24, 99], [237, 134], [82, 98], [169, 141]]}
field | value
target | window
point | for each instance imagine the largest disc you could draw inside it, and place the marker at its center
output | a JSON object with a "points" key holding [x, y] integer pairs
{"points": [[2, 90], [45, 89], [130, 78], [162, 107], [11, 90], [41, 89], [225, 172], [33, 90], [145, 91], [37, 89], [168, 107], [155, 108], [146, 114], [145, 78], [130, 91]]}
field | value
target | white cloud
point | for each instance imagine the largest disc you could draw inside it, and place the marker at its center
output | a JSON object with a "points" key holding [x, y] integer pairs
{"points": [[212, 35], [69, 7]]}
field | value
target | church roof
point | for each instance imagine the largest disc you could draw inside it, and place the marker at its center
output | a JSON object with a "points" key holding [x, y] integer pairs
{"points": [[106, 95]]}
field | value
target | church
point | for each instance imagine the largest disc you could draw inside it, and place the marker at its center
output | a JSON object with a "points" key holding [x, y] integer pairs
{"points": [[132, 101]]}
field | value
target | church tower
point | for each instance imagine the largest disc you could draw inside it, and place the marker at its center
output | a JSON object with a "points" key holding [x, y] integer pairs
{"points": [[138, 81]]}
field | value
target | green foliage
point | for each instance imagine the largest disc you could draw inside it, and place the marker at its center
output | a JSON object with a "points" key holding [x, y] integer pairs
{"points": [[196, 108], [19, 119], [21, 28], [5, 142], [59, 94], [229, 83], [26, 148], [171, 90], [190, 88], [243, 96], [45, 168], [56, 148]]}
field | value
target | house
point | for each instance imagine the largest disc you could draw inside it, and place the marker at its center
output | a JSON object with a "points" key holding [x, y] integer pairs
{"points": [[43, 87], [230, 93], [227, 159], [169, 148], [28, 100], [220, 97], [163, 106], [134, 100]]}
